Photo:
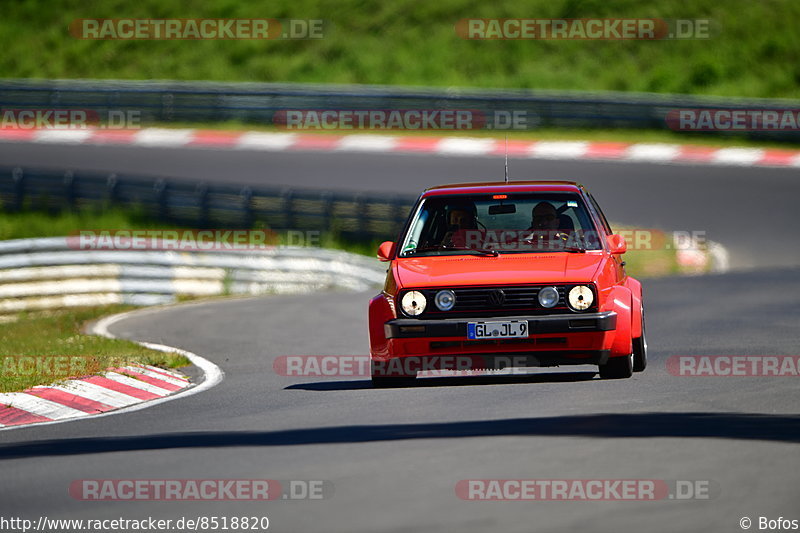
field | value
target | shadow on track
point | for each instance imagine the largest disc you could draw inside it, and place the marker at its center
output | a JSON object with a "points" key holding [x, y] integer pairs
{"points": [[762, 427], [452, 381]]}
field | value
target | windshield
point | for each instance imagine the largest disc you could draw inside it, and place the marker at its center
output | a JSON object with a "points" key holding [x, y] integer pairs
{"points": [[501, 223]]}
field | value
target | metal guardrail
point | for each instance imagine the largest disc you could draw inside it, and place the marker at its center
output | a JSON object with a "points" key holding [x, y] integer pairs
{"points": [[353, 216], [48, 273], [169, 101]]}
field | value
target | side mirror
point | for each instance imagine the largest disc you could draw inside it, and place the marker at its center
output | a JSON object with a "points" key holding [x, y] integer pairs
{"points": [[616, 244], [386, 251]]}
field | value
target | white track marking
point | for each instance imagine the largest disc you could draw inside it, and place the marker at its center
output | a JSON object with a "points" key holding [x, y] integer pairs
{"points": [[39, 406], [93, 392], [463, 146], [163, 137], [63, 136], [213, 375], [652, 152], [559, 149], [265, 141], [367, 143], [135, 383], [448, 146], [158, 370], [738, 156], [156, 375]]}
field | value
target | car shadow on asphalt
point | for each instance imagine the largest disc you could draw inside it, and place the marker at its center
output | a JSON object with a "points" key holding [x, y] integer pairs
{"points": [[704, 425], [452, 381]]}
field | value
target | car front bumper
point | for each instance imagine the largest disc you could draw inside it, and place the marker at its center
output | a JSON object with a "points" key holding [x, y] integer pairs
{"points": [[410, 328], [566, 339]]}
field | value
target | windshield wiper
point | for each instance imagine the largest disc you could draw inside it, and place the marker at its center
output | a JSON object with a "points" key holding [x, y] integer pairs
{"points": [[573, 249], [481, 251]]}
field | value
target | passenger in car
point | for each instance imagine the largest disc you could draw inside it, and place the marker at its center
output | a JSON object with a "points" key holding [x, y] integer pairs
{"points": [[462, 228], [544, 217]]}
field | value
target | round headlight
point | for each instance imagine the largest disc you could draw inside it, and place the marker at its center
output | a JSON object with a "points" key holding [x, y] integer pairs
{"points": [[445, 300], [580, 297], [413, 303], [548, 297]]}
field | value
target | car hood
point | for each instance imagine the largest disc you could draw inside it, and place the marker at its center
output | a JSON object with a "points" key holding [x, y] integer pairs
{"points": [[507, 269]]}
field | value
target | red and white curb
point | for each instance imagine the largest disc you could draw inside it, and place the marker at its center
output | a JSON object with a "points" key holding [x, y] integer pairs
{"points": [[447, 146], [118, 390]]}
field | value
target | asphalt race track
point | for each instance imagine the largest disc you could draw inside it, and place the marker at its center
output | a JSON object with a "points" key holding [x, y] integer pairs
{"points": [[394, 456]]}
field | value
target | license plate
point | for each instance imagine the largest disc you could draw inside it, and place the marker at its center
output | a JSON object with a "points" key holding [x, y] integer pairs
{"points": [[497, 330]]}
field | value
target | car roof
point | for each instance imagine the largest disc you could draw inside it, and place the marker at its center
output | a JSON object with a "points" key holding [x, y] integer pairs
{"points": [[495, 187]]}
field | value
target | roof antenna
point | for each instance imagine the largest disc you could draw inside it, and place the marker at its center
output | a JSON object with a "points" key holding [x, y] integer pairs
{"points": [[506, 157]]}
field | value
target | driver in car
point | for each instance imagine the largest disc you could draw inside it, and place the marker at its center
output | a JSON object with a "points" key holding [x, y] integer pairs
{"points": [[544, 217], [463, 228], [547, 225]]}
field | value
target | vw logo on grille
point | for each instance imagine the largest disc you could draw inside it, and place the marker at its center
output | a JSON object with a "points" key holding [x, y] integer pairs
{"points": [[497, 297]]}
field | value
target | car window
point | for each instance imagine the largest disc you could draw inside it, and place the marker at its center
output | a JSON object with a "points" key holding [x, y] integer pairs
{"points": [[509, 223], [600, 214]]}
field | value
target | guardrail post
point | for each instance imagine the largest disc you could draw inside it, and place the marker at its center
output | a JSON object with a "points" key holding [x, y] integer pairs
{"points": [[397, 213], [160, 190], [167, 108], [19, 188], [202, 203], [111, 189], [288, 208], [69, 189], [361, 215], [247, 207], [327, 209]]}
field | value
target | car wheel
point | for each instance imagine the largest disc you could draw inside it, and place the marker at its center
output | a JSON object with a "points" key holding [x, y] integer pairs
{"points": [[640, 350], [383, 382], [617, 368]]}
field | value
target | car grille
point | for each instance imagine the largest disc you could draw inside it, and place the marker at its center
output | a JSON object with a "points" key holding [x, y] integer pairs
{"points": [[487, 301]]}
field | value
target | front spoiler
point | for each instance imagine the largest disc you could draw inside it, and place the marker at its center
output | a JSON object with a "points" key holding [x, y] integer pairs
{"points": [[411, 328]]}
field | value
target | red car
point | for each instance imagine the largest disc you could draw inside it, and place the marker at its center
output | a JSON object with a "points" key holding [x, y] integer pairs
{"points": [[496, 275]]}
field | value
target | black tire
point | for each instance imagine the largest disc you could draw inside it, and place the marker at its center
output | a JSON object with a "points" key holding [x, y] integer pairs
{"points": [[383, 382], [640, 350], [617, 368]]}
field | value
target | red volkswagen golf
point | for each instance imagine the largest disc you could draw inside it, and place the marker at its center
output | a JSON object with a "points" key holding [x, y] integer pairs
{"points": [[496, 275]]}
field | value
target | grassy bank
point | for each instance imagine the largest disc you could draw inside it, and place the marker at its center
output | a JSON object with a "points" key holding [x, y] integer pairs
{"points": [[32, 224], [752, 51], [45, 347]]}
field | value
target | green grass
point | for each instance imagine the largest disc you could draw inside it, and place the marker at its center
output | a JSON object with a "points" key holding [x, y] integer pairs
{"points": [[45, 347], [32, 223], [412, 42]]}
